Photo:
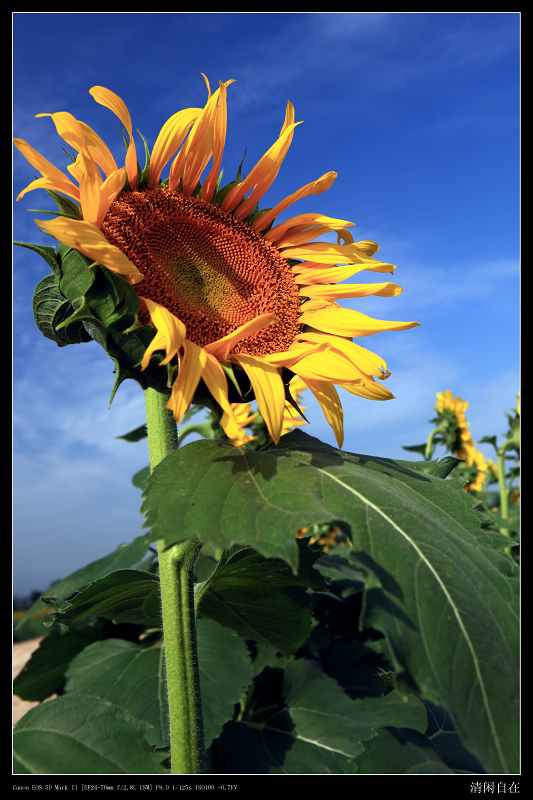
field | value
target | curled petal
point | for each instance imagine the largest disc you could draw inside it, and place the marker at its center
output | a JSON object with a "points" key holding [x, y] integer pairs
{"points": [[371, 390], [192, 365], [328, 253], [57, 179], [222, 347], [112, 101], [305, 224], [45, 183], [82, 138], [170, 333]]}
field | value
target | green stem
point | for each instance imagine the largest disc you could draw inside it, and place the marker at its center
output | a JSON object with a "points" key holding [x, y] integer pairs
{"points": [[176, 565], [504, 491], [160, 426], [429, 444]]}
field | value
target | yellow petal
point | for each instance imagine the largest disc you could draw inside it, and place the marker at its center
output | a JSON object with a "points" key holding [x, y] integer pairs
{"points": [[328, 253], [207, 84], [371, 390], [308, 274], [201, 143], [169, 139], [170, 333], [288, 357], [300, 237], [215, 379], [111, 100], [192, 365], [339, 290], [326, 395], [264, 172], [317, 303], [109, 191], [90, 241], [347, 322], [219, 140], [315, 187], [82, 138], [365, 360], [47, 170], [326, 364], [76, 169], [90, 183], [269, 392], [45, 183], [222, 347], [366, 247], [303, 225]]}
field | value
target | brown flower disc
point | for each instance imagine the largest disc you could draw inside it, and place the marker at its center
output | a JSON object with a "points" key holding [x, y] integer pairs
{"points": [[209, 269]]}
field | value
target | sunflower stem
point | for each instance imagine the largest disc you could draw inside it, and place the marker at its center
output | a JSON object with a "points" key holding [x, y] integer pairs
{"points": [[504, 491], [176, 565]]}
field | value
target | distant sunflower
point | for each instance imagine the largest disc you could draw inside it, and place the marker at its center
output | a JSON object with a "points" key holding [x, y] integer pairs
{"points": [[220, 285], [465, 448], [244, 416]]}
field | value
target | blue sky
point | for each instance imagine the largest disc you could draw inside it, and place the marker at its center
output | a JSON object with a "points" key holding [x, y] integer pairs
{"points": [[419, 115]]}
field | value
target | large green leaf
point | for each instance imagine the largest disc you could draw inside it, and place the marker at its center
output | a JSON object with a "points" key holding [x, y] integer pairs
{"points": [[455, 629], [135, 435], [132, 677], [234, 595], [122, 673], [391, 752], [44, 673], [124, 596], [319, 730], [78, 734], [123, 557], [225, 672]]}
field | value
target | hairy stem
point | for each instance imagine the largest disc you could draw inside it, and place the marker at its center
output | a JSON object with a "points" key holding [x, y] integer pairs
{"points": [[504, 491], [176, 565]]}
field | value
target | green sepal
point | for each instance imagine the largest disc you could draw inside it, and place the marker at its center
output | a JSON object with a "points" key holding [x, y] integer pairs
{"points": [[66, 207], [76, 276], [52, 314], [144, 175], [48, 253], [230, 374]]}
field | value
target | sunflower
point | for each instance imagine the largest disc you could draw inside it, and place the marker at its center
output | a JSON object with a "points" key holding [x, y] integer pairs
{"points": [[223, 286], [244, 416], [465, 448]]}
